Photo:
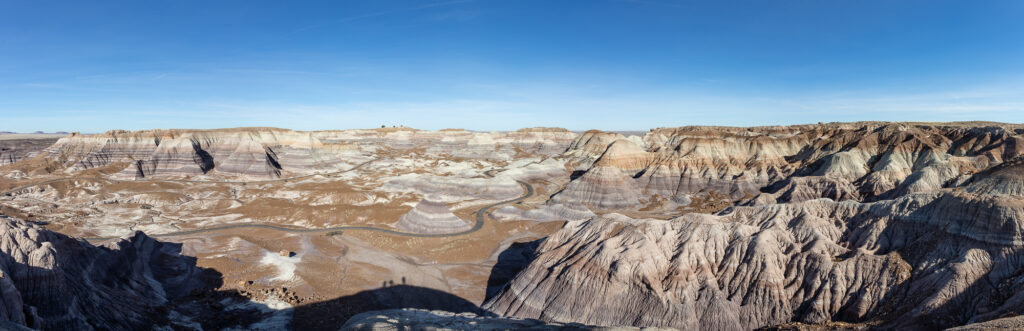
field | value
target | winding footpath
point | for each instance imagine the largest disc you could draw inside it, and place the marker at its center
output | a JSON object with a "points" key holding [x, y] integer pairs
{"points": [[480, 219]]}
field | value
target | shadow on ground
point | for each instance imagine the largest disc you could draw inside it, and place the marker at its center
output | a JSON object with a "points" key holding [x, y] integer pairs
{"points": [[196, 300], [510, 262], [332, 314]]}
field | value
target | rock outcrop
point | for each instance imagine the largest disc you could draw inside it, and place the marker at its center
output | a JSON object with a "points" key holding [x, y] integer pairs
{"points": [[921, 261], [14, 150], [53, 282], [858, 161], [593, 143], [419, 319], [602, 187], [431, 216], [1005, 179], [549, 212], [798, 189], [266, 153], [257, 153]]}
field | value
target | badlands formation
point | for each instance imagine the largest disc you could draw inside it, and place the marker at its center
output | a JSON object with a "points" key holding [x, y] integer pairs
{"points": [[916, 226], [431, 216], [16, 147]]}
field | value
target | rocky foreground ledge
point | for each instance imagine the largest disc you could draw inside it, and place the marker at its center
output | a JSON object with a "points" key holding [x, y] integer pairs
{"points": [[419, 319], [54, 282], [49, 281]]}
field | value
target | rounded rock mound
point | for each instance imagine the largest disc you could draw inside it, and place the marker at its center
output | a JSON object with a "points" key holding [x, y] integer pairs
{"points": [[601, 187], [432, 216]]}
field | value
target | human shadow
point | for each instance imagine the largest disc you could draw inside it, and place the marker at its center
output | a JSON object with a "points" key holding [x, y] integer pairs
{"points": [[332, 314]]}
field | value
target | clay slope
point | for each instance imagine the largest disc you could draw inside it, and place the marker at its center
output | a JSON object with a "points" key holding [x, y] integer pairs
{"points": [[14, 150], [922, 261], [257, 153], [53, 282], [601, 187], [1007, 178], [550, 212], [265, 153], [431, 215]]}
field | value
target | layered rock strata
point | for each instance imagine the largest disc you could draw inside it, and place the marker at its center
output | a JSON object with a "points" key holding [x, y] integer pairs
{"points": [[257, 153], [431, 216], [857, 161], [603, 188], [451, 188], [548, 212], [14, 150], [265, 153]]}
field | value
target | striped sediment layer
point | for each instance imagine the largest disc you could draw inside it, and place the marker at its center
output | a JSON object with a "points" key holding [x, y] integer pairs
{"points": [[431, 216], [544, 213], [603, 188], [263, 153], [258, 153], [14, 150]]}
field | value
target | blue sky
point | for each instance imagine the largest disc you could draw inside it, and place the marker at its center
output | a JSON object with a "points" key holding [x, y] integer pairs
{"points": [[92, 66]]}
